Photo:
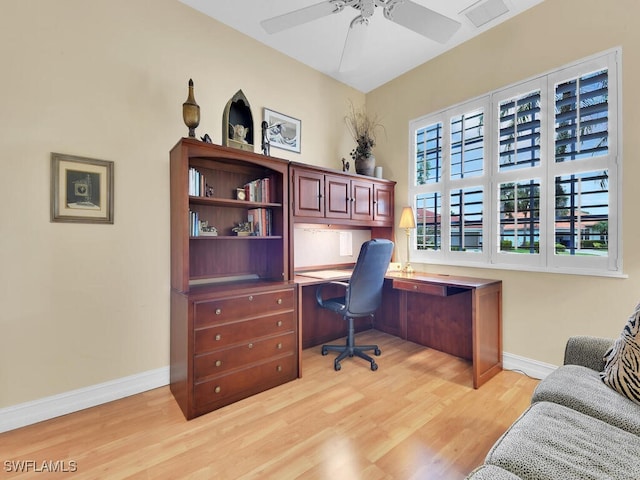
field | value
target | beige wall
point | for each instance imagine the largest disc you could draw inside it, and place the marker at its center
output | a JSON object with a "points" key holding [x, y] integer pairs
{"points": [[84, 304], [540, 310]]}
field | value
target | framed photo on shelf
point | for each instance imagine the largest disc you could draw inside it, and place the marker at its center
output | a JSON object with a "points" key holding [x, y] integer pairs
{"points": [[81, 189], [283, 131]]}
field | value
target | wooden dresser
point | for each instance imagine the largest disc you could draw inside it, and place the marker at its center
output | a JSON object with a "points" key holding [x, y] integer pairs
{"points": [[234, 322]]}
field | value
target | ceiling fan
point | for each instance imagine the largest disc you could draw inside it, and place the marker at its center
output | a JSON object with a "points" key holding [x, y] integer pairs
{"points": [[422, 20]]}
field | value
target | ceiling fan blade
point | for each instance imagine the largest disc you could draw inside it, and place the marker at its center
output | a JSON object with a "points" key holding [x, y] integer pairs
{"points": [[354, 45], [298, 17], [422, 20]]}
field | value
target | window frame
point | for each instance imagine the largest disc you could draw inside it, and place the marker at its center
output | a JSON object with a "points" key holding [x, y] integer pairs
{"points": [[546, 260]]}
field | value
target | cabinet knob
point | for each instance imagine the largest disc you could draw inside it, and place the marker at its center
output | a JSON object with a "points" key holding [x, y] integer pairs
{"points": [[279, 301], [251, 298], [279, 324], [218, 337], [279, 368], [250, 345], [415, 287], [218, 363], [218, 311], [279, 346], [217, 389]]}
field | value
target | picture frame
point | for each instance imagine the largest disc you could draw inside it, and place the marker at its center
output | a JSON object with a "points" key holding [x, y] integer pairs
{"points": [[283, 131], [81, 189]]}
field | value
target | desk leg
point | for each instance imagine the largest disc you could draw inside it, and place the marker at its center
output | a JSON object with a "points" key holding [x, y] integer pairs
{"points": [[403, 314], [486, 333]]}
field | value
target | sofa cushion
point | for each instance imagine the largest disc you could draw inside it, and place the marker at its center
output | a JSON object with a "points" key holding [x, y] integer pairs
{"points": [[622, 361], [550, 441], [491, 472], [581, 389]]}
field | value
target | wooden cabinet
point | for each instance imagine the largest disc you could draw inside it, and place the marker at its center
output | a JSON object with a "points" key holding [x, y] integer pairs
{"points": [[323, 196], [234, 329]]}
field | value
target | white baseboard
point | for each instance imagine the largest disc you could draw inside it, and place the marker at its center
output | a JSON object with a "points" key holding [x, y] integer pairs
{"points": [[532, 368], [46, 408]]}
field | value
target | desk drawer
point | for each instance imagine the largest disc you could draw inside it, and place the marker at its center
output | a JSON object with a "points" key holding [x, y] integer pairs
{"points": [[223, 360], [242, 306], [239, 384], [424, 288], [220, 336]]}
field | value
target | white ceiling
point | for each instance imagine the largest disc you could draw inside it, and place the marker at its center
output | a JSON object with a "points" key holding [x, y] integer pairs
{"points": [[390, 49]]}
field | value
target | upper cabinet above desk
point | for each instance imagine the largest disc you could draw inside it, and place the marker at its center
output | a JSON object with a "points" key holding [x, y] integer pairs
{"points": [[327, 196]]}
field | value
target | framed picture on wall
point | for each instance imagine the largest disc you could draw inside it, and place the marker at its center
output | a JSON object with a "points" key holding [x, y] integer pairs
{"points": [[283, 131], [81, 189]]}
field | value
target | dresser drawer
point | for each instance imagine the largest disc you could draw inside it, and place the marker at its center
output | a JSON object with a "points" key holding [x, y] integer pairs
{"points": [[223, 360], [240, 384], [242, 306], [424, 288], [241, 332]]}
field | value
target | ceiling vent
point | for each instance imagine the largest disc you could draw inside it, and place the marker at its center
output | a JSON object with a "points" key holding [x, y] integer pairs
{"points": [[482, 13]]}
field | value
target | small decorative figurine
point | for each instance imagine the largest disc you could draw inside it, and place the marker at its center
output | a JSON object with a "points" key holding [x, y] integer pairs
{"points": [[239, 133], [206, 138], [266, 146], [243, 229], [345, 165]]}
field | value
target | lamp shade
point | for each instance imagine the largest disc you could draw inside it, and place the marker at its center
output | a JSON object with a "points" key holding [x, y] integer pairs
{"points": [[406, 219]]}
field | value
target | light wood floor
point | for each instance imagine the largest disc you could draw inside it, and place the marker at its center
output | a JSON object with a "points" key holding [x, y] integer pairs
{"points": [[417, 417]]}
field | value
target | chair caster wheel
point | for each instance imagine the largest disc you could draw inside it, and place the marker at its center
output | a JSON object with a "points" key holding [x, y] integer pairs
{"points": [[374, 366], [377, 352], [325, 351], [337, 367]]}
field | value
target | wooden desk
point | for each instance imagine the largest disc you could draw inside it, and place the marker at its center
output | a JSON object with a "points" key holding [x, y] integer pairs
{"points": [[461, 316]]}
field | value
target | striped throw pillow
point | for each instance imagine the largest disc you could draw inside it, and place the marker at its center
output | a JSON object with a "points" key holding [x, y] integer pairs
{"points": [[622, 361]]}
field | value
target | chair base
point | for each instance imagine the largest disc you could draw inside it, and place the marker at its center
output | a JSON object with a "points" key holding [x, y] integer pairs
{"points": [[351, 350]]}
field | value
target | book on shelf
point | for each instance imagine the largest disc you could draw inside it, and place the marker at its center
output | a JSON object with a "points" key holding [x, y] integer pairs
{"points": [[194, 224], [258, 190], [261, 219], [197, 183]]}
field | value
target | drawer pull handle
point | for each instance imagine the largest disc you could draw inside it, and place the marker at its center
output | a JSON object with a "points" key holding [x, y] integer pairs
{"points": [[279, 301], [218, 363], [279, 324], [217, 389], [279, 346], [279, 368], [250, 345], [218, 337], [251, 298], [218, 311]]}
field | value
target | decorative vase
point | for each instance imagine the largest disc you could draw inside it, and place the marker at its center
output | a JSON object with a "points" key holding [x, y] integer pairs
{"points": [[366, 165], [191, 111]]}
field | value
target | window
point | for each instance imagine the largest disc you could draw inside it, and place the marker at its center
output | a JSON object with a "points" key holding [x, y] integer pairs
{"points": [[525, 177]]}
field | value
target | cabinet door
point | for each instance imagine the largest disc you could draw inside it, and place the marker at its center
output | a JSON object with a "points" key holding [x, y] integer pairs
{"points": [[308, 193], [337, 197], [383, 203], [362, 200]]}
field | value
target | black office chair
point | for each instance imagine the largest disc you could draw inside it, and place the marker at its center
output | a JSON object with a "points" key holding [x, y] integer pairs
{"points": [[363, 294]]}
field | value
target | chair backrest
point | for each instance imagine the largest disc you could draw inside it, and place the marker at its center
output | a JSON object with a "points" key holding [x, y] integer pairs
{"points": [[364, 294]]}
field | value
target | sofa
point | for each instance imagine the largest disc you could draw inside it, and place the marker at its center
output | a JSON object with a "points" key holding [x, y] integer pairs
{"points": [[576, 427]]}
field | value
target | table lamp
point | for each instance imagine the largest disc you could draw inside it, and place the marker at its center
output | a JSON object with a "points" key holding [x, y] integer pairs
{"points": [[407, 221]]}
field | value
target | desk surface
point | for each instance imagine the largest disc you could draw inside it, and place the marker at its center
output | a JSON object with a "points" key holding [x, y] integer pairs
{"points": [[322, 276]]}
